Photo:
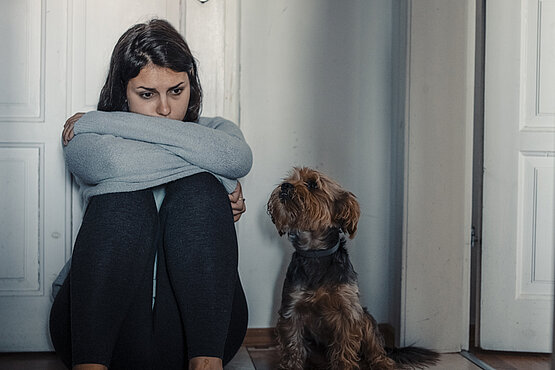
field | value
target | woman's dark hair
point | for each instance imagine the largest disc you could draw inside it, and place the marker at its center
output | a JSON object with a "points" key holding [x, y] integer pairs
{"points": [[156, 42]]}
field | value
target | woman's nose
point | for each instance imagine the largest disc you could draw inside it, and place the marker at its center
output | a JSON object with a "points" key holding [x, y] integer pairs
{"points": [[163, 108]]}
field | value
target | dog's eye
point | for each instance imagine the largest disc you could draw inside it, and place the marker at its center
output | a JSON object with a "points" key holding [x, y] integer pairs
{"points": [[311, 185]]}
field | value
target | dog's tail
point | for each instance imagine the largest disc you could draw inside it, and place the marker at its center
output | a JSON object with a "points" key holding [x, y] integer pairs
{"points": [[412, 357]]}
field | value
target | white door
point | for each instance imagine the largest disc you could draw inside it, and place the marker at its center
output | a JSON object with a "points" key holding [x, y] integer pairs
{"points": [[519, 176], [32, 175], [54, 60]]}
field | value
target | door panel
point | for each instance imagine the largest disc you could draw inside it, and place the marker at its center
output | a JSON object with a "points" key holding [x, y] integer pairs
{"points": [[24, 56], [519, 160], [20, 231]]}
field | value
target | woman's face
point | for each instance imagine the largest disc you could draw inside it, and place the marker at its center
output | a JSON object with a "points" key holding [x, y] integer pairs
{"points": [[159, 92]]}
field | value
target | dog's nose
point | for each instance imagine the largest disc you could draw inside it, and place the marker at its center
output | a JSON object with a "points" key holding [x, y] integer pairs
{"points": [[286, 189]]}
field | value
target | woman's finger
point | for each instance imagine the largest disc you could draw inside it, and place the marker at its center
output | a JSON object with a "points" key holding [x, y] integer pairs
{"points": [[237, 193], [238, 209], [237, 215], [64, 135], [67, 133], [239, 204], [70, 134], [71, 120]]}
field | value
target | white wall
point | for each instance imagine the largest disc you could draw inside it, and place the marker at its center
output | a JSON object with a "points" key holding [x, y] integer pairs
{"points": [[317, 85]]}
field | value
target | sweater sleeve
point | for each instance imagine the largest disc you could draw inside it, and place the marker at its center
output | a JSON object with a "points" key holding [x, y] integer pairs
{"points": [[213, 144], [96, 159]]}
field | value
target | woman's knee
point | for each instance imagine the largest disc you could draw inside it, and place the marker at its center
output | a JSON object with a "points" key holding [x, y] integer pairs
{"points": [[121, 209], [111, 218], [197, 212], [202, 189], [197, 182]]}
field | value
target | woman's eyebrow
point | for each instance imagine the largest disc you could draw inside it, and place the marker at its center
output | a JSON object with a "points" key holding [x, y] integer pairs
{"points": [[154, 89], [147, 88], [176, 86]]}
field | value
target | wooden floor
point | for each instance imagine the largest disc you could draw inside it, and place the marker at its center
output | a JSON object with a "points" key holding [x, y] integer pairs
{"points": [[512, 360], [253, 358]]}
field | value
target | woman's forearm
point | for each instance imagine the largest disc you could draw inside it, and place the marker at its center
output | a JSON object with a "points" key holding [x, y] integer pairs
{"points": [[213, 144], [97, 158]]}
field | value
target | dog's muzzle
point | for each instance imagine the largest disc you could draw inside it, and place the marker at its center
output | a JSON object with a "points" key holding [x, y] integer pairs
{"points": [[286, 191]]}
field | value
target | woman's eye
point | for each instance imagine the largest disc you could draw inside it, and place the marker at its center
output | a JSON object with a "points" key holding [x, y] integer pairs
{"points": [[311, 185], [176, 91], [146, 95]]}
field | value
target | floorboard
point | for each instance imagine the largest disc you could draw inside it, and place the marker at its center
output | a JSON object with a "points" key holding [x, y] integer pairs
{"points": [[30, 361], [514, 360]]}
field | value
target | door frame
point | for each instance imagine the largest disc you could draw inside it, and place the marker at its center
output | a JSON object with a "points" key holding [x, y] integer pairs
{"points": [[438, 159], [478, 175]]}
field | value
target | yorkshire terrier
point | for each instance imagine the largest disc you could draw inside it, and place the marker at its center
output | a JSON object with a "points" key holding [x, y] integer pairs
{"points": [[322, 324]]}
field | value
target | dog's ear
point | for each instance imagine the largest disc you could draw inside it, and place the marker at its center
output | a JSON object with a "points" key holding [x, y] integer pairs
{"points": [[347, 213]]}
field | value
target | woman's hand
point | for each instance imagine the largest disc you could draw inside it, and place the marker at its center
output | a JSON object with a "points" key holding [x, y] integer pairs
{"points": [[67, 133], [237, 202]]}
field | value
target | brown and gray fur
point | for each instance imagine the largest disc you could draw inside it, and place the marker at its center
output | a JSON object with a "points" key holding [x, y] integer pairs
{"points": [[322, 324]]}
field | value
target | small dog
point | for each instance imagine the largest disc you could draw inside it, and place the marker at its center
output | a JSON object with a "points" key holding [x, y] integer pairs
{"points": [[322, 324]]}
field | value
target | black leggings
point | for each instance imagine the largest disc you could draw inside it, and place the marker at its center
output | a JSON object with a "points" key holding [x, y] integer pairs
{"points": [[103, 313]]}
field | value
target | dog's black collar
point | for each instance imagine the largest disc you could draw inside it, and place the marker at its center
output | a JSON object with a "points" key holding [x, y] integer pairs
{"points": [[320, 252]]}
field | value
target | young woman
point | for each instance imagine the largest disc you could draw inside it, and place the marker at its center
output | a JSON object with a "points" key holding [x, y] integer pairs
{"points": [[158, 183]]}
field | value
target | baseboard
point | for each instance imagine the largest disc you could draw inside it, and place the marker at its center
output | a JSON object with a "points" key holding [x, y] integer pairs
{"points": [[260, 337], [266, 337]]}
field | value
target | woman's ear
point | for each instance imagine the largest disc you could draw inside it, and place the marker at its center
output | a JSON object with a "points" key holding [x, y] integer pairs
{"points": [[347, 213]]}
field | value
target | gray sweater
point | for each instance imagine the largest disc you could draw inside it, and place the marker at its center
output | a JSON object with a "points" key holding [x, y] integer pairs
{"points": [[118, 152]]}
